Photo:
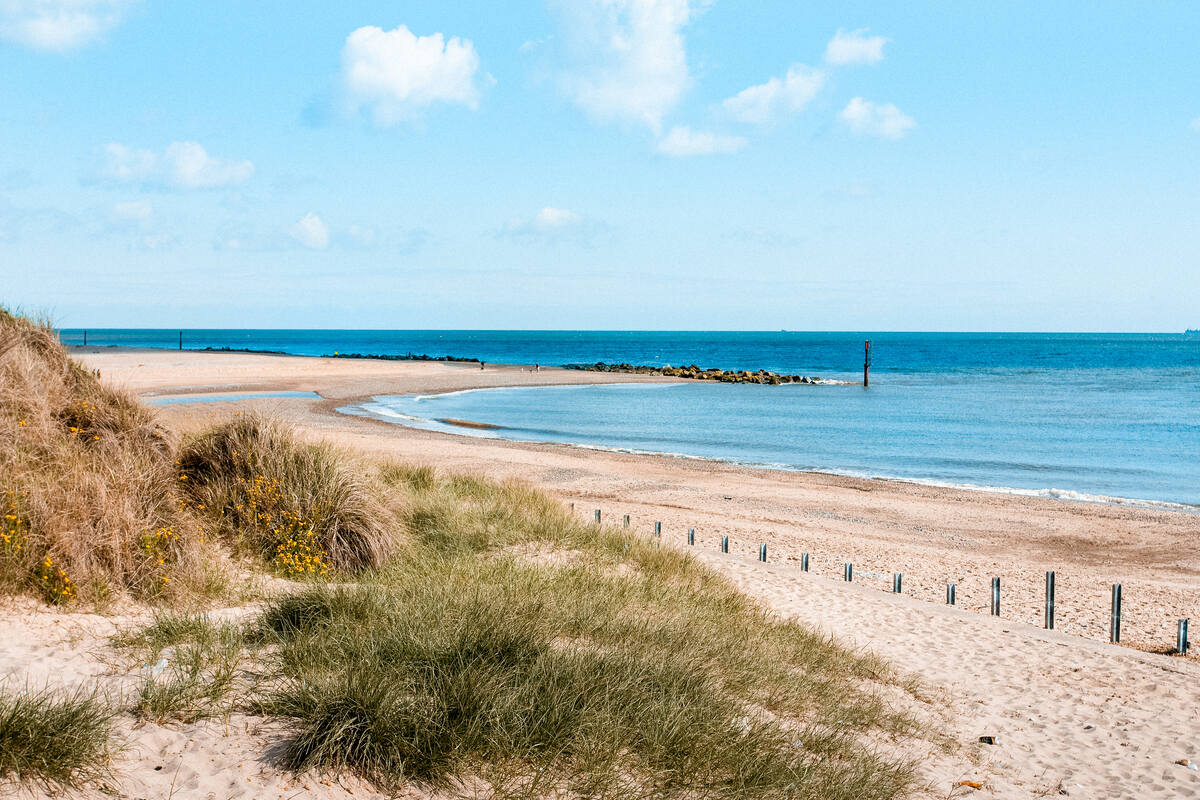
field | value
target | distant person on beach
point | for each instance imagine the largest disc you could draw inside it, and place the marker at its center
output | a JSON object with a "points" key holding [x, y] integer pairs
{"points": [[537, 367], [481, 366]]}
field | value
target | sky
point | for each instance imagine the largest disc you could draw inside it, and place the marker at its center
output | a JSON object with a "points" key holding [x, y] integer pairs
{"points": [[601, 164]]}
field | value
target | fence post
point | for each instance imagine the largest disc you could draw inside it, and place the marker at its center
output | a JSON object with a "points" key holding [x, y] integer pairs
{"points": [[950, 594], [762, 553], [626, 520], [804, 562], [995, 597], [896, 578], [848, 572], [724, 544], [1181, 638], [1050, 600], [597, 516], [658, 529], [1114, 628], [691, 536]]}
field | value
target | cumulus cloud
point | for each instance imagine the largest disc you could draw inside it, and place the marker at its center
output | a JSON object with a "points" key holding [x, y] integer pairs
{"points": [[682, 141], [759, 104], [630, 60], [183, 165], [58, 25], [883, 121], [311, 232], [854, 47], [396, 74]]}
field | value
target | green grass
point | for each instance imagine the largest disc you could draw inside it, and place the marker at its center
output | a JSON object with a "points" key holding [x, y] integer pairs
{"points": [[511, 651], [523, 649], [201, 678], [54, 739]]}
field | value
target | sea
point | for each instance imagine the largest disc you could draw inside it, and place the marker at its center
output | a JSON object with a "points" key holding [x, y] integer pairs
{"points": [[1098, 417]]}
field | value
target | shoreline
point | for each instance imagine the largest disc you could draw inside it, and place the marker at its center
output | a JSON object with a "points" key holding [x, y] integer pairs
{"points": [[489, 430]]}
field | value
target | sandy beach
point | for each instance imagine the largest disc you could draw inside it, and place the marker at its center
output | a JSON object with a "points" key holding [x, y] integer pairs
{"points": [[1070, 713]]}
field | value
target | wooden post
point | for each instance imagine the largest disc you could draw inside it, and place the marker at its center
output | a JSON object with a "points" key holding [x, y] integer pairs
{"points": [[867, 363], [1114, 628], [1050, 601]]}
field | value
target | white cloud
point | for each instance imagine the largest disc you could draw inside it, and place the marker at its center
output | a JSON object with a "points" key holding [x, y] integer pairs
{"points": [[682, 141], [873, 119], [395, 74], [1196, 124], [854, 47], [630, 57], [548, 220], [183, 165], [758, 104], [136, 213], [58, 25], [311, 232]]}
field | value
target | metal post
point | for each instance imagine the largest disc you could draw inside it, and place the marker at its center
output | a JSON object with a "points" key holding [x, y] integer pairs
{"points": [[995, 597], [658, 529], [848, 572], [85, 338], [724, 544], [181, 340], [950, 594], [626, 520], [691, 536], [1114, 627], [804, 562], [762, 553], [1181, 638], [597, 516], [1050, 601], [896, 578]]}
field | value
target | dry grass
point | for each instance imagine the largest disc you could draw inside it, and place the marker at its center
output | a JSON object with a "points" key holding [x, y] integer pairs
{"points": [[302, 506], [87, 484]]}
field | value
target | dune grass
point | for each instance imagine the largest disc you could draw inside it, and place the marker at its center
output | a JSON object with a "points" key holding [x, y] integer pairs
{"points": [[299, 505], [518, 649], [53, 739], [88, 508]]}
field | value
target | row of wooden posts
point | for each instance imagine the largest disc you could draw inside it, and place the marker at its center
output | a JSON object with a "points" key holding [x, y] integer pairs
{"points": [[1114, 629]]}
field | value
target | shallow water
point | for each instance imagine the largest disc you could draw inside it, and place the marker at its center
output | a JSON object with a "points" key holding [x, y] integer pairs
{"points": [[1095, 415]]}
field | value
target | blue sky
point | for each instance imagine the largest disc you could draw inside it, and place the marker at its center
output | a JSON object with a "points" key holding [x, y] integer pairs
{"points": [[629, 164]]}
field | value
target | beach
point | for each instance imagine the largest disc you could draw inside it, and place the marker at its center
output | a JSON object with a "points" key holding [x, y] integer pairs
{"points": [[1069, 713]]}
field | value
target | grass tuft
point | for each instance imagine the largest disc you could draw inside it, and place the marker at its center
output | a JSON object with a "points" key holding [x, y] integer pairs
{"points": [[300, 506], [56, 740]]}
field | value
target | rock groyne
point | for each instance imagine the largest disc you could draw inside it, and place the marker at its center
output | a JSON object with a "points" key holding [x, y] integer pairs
{"points": [[694, 372]]}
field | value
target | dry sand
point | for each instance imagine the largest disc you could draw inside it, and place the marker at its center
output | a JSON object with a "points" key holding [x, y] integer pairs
{"points": [[1071, 714]]}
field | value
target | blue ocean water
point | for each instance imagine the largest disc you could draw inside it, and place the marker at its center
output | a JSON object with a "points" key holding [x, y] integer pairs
{"points": [[1087, 416]]}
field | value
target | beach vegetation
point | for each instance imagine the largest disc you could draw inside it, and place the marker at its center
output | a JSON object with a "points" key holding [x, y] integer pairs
{"points": [[56, 740]]}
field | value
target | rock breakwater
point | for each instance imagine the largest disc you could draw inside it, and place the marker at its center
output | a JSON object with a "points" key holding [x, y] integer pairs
{"points": [[694, 372]]}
